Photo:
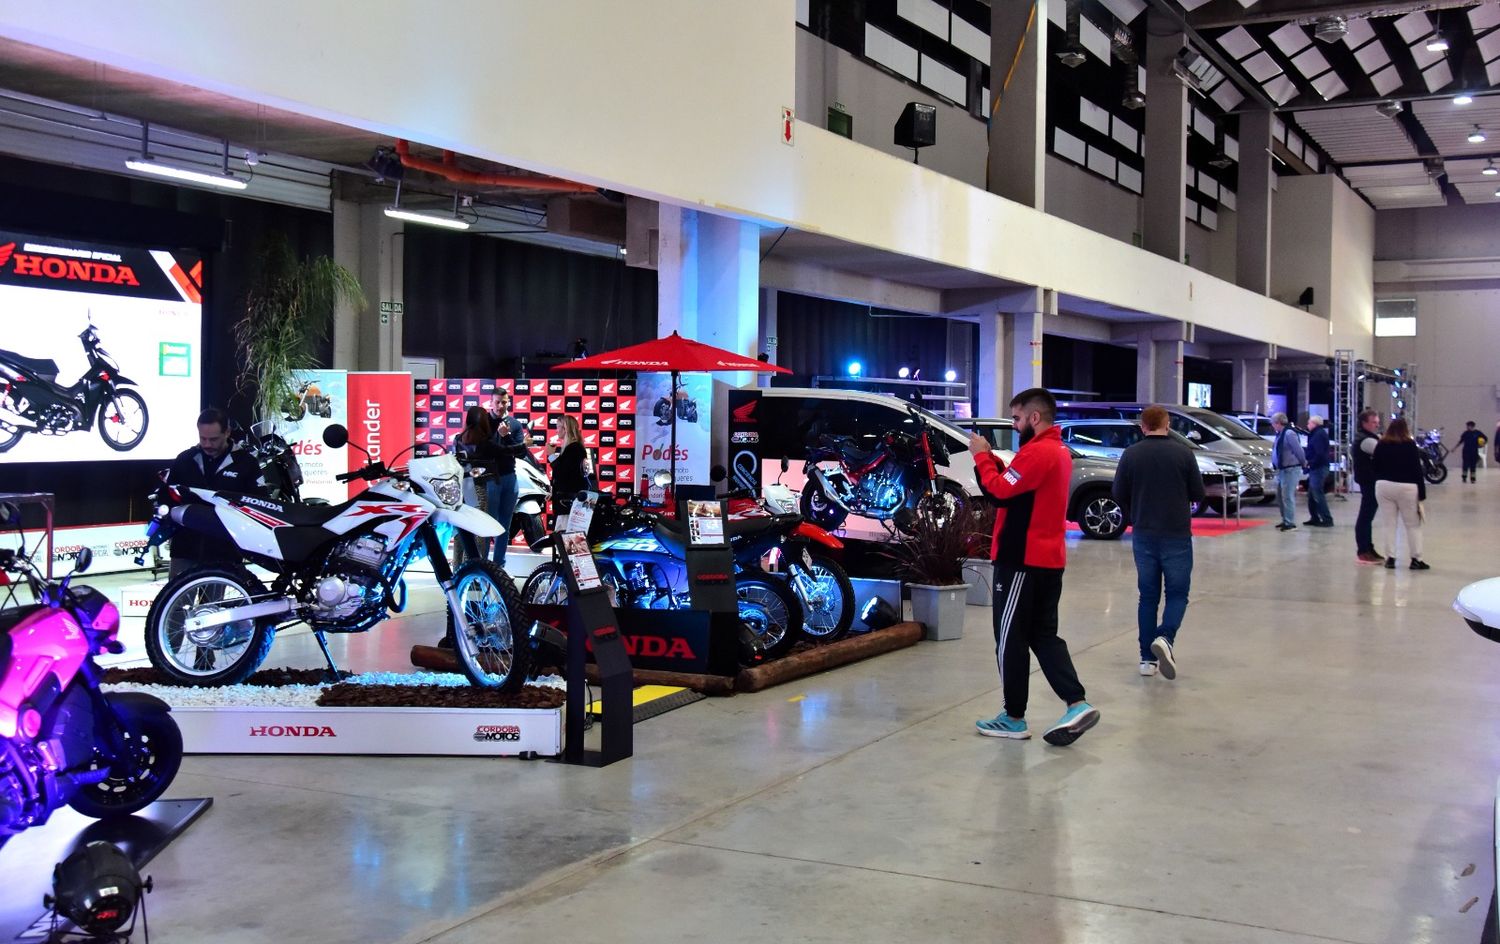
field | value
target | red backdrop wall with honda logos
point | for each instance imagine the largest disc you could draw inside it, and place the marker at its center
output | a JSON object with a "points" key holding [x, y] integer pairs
{"points": [[604, 408]]}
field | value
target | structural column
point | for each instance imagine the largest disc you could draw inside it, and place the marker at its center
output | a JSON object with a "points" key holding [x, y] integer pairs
{"points": [[1018, 114], [1253, 206], [766, 341], [1304, 397], [1251, 366], [1165, 229], [372, 246], [708, 281], [1158, 362], [1010, 348]]}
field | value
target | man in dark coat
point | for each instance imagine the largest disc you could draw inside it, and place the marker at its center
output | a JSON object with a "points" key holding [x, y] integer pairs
{"points": [[212, 464], [1317, 474]]}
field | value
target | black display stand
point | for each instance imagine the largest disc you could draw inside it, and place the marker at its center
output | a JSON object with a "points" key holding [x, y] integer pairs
{"points": [[26, 860], [710, 567], [591, 625]]}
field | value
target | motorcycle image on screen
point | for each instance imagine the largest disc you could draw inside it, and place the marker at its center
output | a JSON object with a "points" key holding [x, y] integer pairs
{"points": [[308, 398], [32, 401], [62, 740], [889, 482], [338, 568]]}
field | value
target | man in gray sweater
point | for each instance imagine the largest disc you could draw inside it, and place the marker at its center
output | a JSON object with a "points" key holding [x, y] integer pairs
{"points": [[1156, 484]]}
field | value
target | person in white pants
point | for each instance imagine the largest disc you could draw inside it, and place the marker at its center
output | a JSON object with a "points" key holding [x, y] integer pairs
{"points": [[1400, 489]]}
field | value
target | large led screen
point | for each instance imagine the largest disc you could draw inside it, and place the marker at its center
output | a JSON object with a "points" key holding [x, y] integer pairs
{"points": [[99, 350]]}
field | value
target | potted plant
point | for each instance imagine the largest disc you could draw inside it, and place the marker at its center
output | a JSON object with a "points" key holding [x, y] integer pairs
{"points": [[979, 570], [930, 558], [288, 310]]}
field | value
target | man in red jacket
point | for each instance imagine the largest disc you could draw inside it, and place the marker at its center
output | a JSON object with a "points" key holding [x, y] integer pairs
{"points": [[1030, 552]]}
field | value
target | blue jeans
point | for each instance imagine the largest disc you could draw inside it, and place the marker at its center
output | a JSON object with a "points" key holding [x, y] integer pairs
{"points": [[1286, 492], [1161, 562], [501, 495], [1317, 499]]}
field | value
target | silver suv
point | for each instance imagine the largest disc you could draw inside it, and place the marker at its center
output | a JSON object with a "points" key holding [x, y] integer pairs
{"points": [[1223, 477], [1091, 502]]}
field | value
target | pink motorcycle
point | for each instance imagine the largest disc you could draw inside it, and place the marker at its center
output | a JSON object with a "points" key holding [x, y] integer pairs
{"points": [[62, 740]]}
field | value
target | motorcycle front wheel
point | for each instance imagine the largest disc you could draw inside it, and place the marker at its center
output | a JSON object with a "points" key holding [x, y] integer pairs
{"points": [[218, 655], [123, 420], [547, 586], [153, 752], [1434, 472], [486, 646], [770, 611], [818, 508], [827, 597]]}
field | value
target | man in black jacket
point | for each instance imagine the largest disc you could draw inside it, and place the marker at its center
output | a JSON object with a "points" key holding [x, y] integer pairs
{"points": [[1366, 437], [1156, 483], [1317, 474], [212, 464]]}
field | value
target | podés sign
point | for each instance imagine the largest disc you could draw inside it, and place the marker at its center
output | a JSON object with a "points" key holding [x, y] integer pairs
{"points": [[100, 350]]}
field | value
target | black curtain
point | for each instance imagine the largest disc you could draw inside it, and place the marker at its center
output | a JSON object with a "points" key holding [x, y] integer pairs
{"points": [[492, 307], [816, 336], [228, 231]]}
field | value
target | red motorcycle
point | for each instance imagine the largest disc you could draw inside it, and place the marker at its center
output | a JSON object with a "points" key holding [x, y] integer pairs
{"points": [[62, 740]]}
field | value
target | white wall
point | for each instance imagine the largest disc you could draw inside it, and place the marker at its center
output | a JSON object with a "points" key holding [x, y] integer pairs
{"points": [[677, 100], [827, 74], [1089, 200], [1352, 307], [1323, 237]]}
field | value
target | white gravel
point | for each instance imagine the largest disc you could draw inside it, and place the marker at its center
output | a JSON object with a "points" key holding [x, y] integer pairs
{"points": [[295, 696]]}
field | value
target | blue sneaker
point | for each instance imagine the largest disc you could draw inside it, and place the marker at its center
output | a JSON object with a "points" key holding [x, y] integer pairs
{"points": [[1003, 726], [1072, 724]]}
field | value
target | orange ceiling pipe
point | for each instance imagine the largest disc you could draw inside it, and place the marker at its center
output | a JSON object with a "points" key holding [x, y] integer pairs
{"points": [[449, 170]]}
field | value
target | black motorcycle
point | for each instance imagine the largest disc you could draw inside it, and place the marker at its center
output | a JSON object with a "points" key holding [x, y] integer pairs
{"points": [[685, 406], [890, 480], [278, 464], [32, 401]]}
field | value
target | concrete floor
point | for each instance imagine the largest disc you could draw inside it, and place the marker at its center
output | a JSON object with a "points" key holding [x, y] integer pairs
{"points": [[1322, 770]]}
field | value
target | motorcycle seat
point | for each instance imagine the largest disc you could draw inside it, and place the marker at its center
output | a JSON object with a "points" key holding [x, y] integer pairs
{"points": [[752, 527], [853, 454], [296, 514], [46, 368]]}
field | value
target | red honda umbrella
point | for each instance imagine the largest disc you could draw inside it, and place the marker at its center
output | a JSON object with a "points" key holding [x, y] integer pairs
{"points": [[677, 355]]}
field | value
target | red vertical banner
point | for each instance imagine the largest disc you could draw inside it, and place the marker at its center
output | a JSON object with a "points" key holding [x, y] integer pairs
{"points": [[380, 419]]}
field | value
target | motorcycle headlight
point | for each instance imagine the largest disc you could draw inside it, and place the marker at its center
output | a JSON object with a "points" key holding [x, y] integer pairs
{"points": [[448, 490]]}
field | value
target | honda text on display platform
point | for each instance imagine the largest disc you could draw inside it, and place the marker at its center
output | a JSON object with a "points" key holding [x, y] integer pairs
{"points": [[61, 302]]}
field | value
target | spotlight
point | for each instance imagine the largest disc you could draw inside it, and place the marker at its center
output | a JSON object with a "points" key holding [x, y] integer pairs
{"points": [[98, 889], [878, 614], [904, 373], [951, 375], [1221, 161], [1134, 99], [1330, 29], [1463, 98], [1072, 57], [1390, 108], [1437, 43], [386, 165], [854, 368], [1477, 136], [580, 348]]}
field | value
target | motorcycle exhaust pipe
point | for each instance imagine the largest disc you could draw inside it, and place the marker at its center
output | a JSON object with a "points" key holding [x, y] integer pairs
{"points": [[821, 477], [15, 419], [284, 606]]}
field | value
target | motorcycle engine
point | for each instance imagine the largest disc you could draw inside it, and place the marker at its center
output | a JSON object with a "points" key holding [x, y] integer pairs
{"points": [[887, 491], [59, 418], [353, 579]]}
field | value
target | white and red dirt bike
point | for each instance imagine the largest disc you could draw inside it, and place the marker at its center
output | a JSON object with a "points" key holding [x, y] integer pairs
{"points": [[337, 568]]}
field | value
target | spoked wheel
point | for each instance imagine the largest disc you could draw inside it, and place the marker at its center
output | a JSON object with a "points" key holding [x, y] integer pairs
{"points": [[123, 420], [486, 643], [225, 654], [827, 597], [941, 506], [770, 611], [9, 434], [1103, 518], [153, 752], [547, 586]]}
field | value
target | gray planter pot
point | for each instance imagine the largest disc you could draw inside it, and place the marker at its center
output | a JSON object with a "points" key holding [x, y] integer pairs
{"points": [[940, 610], [980, 575]]}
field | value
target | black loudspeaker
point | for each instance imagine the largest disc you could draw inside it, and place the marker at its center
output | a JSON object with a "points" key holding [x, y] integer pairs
{"points": [[1306, 298], [917, 126]]}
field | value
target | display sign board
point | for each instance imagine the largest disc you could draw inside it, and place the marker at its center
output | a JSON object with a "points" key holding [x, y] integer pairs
{"points": [[114, 546], [494, 732], [691, 404], [375, 407], [380, 417], [145, 308]]}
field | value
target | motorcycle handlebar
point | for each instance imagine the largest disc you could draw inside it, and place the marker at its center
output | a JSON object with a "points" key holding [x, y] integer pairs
{"points": [[375, 470]]}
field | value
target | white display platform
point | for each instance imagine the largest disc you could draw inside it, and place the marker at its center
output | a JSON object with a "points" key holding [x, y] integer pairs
{"points": [[481, 732]]}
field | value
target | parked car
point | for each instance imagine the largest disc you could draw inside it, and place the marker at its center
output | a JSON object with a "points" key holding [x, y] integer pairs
{"points": [[1213, 431], [1091, 500], [1261, 426], [1223, 477]]}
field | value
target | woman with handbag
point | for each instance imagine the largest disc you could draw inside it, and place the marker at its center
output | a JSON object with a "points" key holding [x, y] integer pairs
{"points": [[1400, 490], [569, 467]]}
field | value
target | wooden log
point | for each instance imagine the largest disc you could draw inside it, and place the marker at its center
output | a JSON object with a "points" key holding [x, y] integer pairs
{"points": [[843, 652], [437, 659]]}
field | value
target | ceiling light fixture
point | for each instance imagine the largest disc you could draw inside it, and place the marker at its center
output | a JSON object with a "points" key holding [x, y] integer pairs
{"points": [[1463, 98], [450, 221], [1330, 29], [146, 164], [1390, 108], [1477, 136], [1071, 54], [1490, 170], [1437, 44]]}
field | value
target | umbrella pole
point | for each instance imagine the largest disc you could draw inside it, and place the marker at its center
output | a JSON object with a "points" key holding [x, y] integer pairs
{"points": [[672, 398]]}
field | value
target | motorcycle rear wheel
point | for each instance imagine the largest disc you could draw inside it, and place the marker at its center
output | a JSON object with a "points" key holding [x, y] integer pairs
{"points": [[547, 586], [818, 508], [832, 619], [488, 650], [9, 436], [153, 746], [249, 641], [112, 413], [770, 611]]}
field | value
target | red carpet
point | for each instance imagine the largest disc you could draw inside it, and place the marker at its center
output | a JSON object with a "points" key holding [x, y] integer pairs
{"points": [[1213, 527]]}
